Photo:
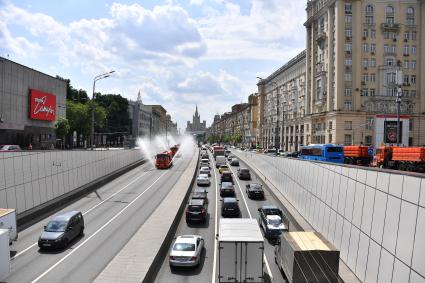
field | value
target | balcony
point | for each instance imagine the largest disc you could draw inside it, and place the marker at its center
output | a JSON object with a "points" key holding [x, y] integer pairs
{"points": [[394, 27]]}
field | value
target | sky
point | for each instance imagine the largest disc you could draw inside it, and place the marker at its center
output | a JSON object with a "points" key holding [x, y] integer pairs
{"points": [[177, 53]]}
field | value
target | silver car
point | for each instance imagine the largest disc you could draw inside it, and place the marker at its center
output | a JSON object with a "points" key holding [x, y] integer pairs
{"points": [[186, 251], [205, 170], [203, 180]]}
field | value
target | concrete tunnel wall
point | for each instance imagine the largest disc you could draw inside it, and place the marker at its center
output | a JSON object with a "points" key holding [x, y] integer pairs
{"points": [[31, 178], [376, 219]]}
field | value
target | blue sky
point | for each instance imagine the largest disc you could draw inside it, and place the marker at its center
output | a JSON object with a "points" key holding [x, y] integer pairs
{"points": [[176, 52]]}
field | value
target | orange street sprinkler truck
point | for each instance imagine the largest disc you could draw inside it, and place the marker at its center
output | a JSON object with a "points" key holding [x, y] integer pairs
{"points": [[164, 160], [174, 150], [400, 158]]}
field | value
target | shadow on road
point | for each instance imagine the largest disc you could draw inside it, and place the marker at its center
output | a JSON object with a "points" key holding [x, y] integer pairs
{"points": [[190, 271]]}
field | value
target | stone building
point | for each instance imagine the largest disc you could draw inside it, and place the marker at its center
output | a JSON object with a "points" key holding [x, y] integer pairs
{"points": [[356, 50], [196, 127]]}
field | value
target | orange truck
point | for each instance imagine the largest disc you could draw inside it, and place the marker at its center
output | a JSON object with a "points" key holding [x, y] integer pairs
{"points": [[164, 160], [400, 158], [357, 155]]}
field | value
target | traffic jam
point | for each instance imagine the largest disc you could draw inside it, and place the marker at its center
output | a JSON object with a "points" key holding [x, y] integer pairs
{"points": [[247, 217]]}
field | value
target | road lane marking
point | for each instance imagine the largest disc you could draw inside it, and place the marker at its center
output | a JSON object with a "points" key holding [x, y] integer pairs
{"points": [[215, 225], [97, 205], [250, 216], [97, 231]]}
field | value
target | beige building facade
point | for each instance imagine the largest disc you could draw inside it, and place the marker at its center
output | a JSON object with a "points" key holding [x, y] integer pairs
{"points": [[283, 108], [360, 55]]}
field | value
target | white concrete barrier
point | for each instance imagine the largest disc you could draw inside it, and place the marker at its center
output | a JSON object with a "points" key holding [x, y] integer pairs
{"points": [[376, 219], [31, 178]]}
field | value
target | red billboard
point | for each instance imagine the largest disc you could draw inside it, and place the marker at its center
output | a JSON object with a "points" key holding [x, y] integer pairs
{"points": [[42, 105]]}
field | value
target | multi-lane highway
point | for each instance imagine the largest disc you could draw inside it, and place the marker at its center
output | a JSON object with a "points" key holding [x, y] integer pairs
{"points": [[207, 271], [112, 214]]}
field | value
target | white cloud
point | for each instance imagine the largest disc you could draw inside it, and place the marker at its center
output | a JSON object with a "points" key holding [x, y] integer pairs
{"points": [[196, 2]]}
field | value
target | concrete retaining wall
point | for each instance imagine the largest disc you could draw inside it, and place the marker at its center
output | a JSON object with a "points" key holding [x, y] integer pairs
{"points": [[31, 178], [376, 219]]}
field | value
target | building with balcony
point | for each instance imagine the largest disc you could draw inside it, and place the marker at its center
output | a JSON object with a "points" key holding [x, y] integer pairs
{"points": [[282, 106], [360, 55]]}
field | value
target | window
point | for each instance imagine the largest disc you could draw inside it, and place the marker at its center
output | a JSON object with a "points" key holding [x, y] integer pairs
{"points": [[413, 79], [389, 61], [410, 16], [406, 35], [413, 93], [348, 76], [390, 78], [410, 124], [365, 92], [406, 50], [348, 19], [372, 92], [389, 10], [406, 64], [389, 20], [348, 91], [330, 125], [365, 63], [413, 35], [319, 89], [348, 8], [373, 47], [386, 35], [369, 9], [365, 47], [347, 139], [410, 12], [406, 79], [369, 20], [373, 77], [365, 77], [348, 33], [413, 64], [373, 33], [348, 47], [368, 140], [414, 50], [372, 62], [365, 33], [348, 61], [347, 105], [386, 48]]}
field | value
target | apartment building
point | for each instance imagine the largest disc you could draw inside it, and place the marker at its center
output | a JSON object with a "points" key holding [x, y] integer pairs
{"points": [[362, 58], [283, 108]]}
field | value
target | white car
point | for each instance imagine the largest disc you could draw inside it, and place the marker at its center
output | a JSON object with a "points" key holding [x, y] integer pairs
{"points": [[203, 180], [273, 226], [186, 251], [204, 163], [205, 170]]}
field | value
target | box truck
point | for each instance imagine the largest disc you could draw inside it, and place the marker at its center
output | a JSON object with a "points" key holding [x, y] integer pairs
{"points": [[307, 257], [8, 222], [4, 254], [241, 251]]}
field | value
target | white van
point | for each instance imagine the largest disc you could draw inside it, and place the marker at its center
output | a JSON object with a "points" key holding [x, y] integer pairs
{"points": [[220, 160]]}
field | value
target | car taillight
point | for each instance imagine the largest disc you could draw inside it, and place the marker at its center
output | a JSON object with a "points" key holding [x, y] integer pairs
{"points": [[203, 211], [187, 210], [171, 257], [193, 258]]}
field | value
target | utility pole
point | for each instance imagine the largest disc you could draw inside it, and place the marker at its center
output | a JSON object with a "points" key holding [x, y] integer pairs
{"points": [[399, 78]]}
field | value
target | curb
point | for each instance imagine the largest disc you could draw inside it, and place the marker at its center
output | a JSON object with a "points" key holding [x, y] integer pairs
{"points": [[163, 250], [27, 218]]}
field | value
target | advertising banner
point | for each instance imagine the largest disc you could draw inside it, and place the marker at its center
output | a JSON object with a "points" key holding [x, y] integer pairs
{"points": [[42, 105], [390, 131]]}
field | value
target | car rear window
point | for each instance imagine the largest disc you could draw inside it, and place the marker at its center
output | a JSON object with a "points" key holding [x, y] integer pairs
{"points": [[185, 247], [244, 171], [195, 208]]}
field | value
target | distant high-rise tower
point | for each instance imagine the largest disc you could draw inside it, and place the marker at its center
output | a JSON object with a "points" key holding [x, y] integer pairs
{"points": [[196, 127]]}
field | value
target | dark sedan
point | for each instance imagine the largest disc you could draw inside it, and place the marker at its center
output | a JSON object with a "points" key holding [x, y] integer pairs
{"points": [[255, 191], [244, 174], [227, 189]]}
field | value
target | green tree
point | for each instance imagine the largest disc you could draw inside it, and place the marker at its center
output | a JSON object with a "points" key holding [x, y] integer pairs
{"points": [[62, 128], [77, 95]]}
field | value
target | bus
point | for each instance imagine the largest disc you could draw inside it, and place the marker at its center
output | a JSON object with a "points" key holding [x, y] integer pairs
{"points": [[323, 152], [164, 160]]}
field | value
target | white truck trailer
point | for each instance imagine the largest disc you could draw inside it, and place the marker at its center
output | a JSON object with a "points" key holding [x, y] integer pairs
{"points": [[4, 254], [307, 257], [241, 251], [8, 222]]}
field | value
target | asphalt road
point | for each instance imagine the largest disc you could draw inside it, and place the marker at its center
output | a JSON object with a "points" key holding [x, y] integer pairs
{"points": [[209, 264], [112, 214]]}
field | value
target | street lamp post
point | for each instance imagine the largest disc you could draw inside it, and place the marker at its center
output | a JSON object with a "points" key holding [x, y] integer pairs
{"points": [[97, 78], [399, 78]]}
